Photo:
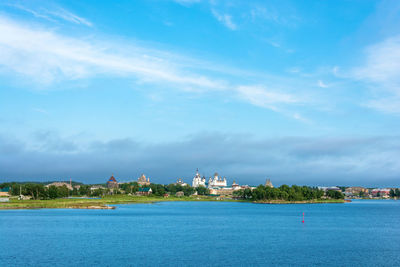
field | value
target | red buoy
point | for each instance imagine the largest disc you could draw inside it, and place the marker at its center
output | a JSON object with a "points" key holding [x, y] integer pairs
{"points": [[303, 218]]}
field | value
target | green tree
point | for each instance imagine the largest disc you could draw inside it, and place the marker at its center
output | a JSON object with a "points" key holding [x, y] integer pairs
{"points": [[63, 191], [84, 190], [53, 192]]}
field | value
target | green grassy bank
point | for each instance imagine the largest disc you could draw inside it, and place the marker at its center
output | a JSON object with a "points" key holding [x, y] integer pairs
{"points": [[314, 201], [103, 203], [82, 203]]}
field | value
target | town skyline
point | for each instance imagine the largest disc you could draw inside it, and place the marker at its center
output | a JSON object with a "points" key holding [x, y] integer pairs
{"points": [[188, 180]]}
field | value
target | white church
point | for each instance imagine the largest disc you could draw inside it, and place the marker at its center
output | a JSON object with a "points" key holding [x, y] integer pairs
{"points": [[212, 182], [198, 181], [217, 181]]}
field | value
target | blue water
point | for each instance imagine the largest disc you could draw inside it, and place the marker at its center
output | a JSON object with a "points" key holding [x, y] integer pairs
{"points": [[361, 233]]}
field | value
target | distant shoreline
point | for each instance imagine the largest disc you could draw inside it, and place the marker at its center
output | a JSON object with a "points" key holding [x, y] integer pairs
{"points": [[322, 201], [104, 203]]}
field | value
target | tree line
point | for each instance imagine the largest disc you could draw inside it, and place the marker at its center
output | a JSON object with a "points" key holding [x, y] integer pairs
{"points": [[288, 193], [161, 189], [40, 191]]}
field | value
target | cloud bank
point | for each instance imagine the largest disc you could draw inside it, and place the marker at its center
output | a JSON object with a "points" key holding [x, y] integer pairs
{"points": [[364, 161]]}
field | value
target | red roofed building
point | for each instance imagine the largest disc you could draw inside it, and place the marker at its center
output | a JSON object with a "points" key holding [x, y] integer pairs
{"points": [[112, 183], [379, 192]]}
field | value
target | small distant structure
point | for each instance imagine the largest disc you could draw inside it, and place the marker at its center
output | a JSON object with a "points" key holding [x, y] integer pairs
{"points": [[95, 187], [381, 192], [356, 191], [112, 183], [329, 188], [143, 181], [179, 194], [60, 184], [179, 181], [213, 192], [235, 186], [268, 183], [166, 195], [5, 192], [22, 197], [144, 191]]}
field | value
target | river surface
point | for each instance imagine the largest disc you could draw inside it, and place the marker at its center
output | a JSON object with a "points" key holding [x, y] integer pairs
{"points": [[361, 233]]}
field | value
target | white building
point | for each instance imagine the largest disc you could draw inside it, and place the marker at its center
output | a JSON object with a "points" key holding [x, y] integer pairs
{"points": [[198, 181], [60, 184], [217, 181], [180, 182], [268, 183], [328, 188], [236, 186]]}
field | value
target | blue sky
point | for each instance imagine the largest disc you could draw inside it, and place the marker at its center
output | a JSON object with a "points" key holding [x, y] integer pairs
{"points": [[299, 92]]}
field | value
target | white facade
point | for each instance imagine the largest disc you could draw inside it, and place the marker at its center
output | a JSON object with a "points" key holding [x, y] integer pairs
{"points": [[236, 186], [217, 181], [180, 182], [268, 183], [198, 181]]}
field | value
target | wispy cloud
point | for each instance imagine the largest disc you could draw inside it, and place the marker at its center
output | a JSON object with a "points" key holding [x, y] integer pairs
{"points": [[32, 12], [47, 57], [382, 64], [258, 11], [322, 84], [54, 14], [68, 16], [381, 72], [222, 16], [268, 12], [225, 19], [263, 97]]}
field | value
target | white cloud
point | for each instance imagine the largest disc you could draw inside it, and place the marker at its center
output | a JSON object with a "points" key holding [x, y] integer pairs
{"points": [[264, 13], [274, 100], [299, 117], [54, 15], [387, 105], [68, 16], [322, 84], [46, 57], [263, 97], [382, 63], [225, 19], [335, 70], [381, 72]]}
